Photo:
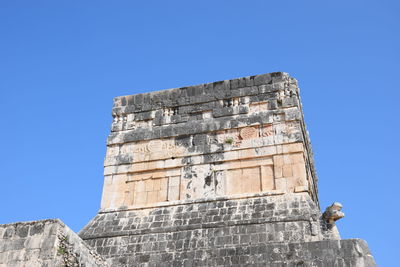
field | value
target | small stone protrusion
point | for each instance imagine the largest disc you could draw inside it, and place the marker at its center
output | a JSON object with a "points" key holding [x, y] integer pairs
{"points": [[333, 213]]}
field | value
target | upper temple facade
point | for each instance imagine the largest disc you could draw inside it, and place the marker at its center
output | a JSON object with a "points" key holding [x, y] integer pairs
{"points": [[230, 138], [217, 174]]}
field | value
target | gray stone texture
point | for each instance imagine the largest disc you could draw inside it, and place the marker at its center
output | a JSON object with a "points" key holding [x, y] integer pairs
{"points": [[268, 230], [44, 243]]}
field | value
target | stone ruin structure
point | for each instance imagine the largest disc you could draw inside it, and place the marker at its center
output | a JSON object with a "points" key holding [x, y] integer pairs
{"points": [[218, 174]]}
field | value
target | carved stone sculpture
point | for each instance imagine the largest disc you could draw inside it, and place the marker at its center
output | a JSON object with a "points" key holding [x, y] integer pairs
{"points": [[333, 213]]}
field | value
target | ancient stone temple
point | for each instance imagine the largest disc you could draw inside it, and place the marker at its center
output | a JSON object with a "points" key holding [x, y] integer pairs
{"points": [[216, 174]]}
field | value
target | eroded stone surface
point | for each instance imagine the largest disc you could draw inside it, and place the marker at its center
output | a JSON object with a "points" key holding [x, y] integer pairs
{"points": [[44, 243], [274, 230], [219, 139]]}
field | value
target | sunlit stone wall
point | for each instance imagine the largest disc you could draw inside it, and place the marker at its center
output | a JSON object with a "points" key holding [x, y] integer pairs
{"points": [[230, 138]]}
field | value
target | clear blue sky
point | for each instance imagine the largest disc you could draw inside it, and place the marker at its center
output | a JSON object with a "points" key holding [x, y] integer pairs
{"points": [[62, 62]]}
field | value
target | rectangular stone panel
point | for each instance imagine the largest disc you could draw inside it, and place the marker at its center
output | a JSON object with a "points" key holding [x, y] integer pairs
{"points": [[174, 184], [241, 181], [267, 178]]}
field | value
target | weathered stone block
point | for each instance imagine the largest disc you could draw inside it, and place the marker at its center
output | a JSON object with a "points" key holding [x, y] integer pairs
{"points": [[50, 243]]}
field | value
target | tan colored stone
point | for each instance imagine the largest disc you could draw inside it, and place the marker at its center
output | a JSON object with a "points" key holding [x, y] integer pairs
{"points": [[157, 184], [241, 181], [173, 172], [140, 186], [250, 165], [252, 175], [109, 170], [174, 181], [287, 159], [153, 165], [154, 145], [233, 182], [172, 163], [152, 197], [281, 184], [299, 189], [292, 148], [297, 158], [173, 193], [129, 194], [267, 178], [247, 153], [112, 150], [149, 185], [278, 171], [162, 195], [299, 171], [140, 198], [291, 183], [287, 170], [278, 161], [106, 196], [248, 133], [164, 184], [156, 155], [147, 175], [267, 130]]}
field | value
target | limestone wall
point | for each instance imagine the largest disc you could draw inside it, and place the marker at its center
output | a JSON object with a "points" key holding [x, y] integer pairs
{"points": [[241, 136], [128, 237], [44, 243], [273, 230]]}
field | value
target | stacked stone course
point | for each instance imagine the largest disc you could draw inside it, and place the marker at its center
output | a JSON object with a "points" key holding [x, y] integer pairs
{"points": [[44, 243], [201, 227]]}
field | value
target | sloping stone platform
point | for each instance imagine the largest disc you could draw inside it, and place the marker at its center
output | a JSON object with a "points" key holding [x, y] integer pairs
{"points": [[44, 243], [277, 230]]}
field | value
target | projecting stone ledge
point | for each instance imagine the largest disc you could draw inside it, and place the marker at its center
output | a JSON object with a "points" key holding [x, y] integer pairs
{"points": [[44, 243]]}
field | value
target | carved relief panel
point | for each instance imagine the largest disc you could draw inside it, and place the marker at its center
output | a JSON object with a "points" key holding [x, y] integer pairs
{"points": [[235, 161]]}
